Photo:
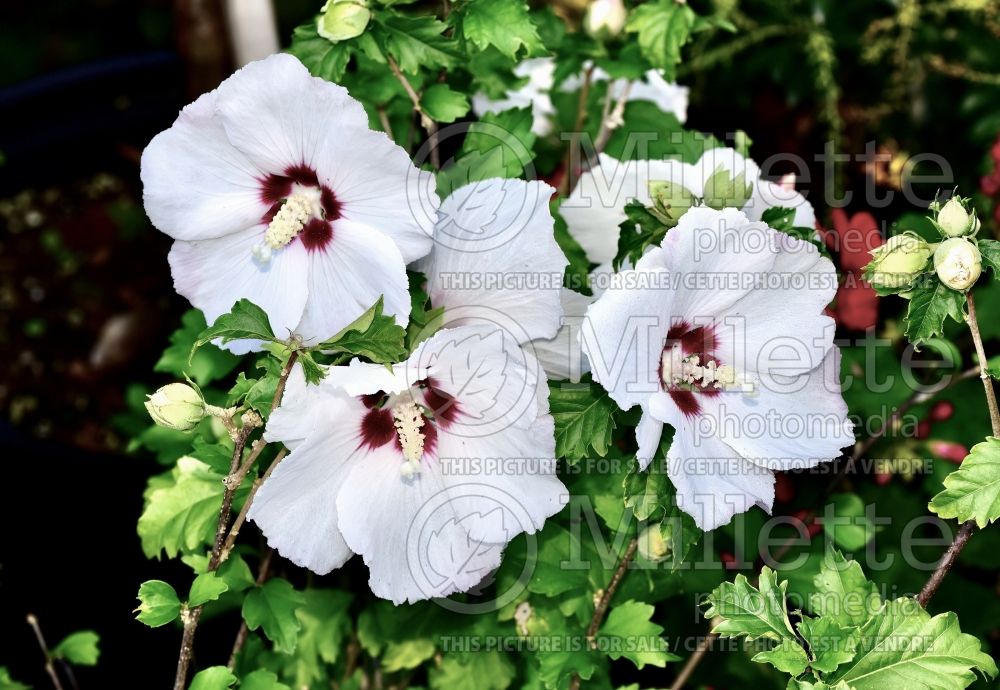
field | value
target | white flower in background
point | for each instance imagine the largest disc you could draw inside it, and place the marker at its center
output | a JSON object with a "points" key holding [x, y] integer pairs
{"points": [[427, 471], [276, 190], [596, 206], [667, 96], [540, 75], [720, 333], [534, 93]]}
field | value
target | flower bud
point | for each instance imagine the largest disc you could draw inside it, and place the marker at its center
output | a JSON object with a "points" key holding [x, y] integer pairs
{"points": [[605, 19], [958, 263], [723, 190], [176, 406], [655, 542], [340, 20], [898, 262], [955, 221], [670, 201]]}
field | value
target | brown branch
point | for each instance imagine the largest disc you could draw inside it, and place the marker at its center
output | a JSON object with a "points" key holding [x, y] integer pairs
{"points": [[49, 666], [241, 518], [692, 663], [944, 565], [601, 607], [569, 179], [610, 121], [241, 637], [977, 339], [428, 123]]}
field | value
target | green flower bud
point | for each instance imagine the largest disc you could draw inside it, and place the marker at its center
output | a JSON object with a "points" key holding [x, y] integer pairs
{"points": [[670, 201], [655, 542], [954, 219], [176, 406], [605, 19], [725, 191], [343, 19], [898, 262], [958, 263]]}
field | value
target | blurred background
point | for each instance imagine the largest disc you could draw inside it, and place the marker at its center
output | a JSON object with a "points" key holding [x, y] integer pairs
{"points": [[86, 304]]}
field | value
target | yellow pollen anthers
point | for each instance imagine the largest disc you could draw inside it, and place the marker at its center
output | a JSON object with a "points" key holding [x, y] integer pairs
{"points": [[409, 420], [678, 368], [288, 221]]}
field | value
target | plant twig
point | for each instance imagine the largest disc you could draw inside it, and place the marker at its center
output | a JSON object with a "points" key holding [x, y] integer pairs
{"points": [[610, 121], [241, 518], [49, 666], [692, 663], [191, 616], [601, 607], [965, 531], [241, 637], [428, 123], [569, 178]]}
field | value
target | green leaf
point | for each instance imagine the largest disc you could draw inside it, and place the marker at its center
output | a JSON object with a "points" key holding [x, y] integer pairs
{"points": [[415, 42], [638, 231], [843, 593], [407, 654], [213, 678], [442, 104], [208, 363], [80, 648], [972, 492], [928, 308], [8, 683], [830, 644], [326, 625], [577, 276], [850, 528], [648, 493], [990, 251], [778, 217], [245, 321], [663, 26], [631, 634], [158, 603], [272, 608], [786, 656], [901, 646], [372, 335], [235, 573], [324, 58], [747, 610], [482, 670], [262, 679], [498, 145], [183, 515], [311, 369], [205, 588], [504, 24], [583, 419]]}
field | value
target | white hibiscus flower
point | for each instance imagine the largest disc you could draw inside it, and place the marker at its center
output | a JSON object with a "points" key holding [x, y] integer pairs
{"points": [[720, 333], [596, 206], [276, 190], [667, 96], [427, 471]]}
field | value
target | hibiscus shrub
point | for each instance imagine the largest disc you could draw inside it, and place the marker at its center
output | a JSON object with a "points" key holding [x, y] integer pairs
{"points": [[481, 336]]}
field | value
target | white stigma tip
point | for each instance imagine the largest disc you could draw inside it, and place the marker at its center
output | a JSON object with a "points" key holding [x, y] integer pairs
{"points": [[262, 253]]}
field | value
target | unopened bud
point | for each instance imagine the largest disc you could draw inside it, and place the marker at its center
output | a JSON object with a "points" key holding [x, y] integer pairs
{"points": [[670, 201], [958, 263], [340, 20], [176, 406], [605, 19], [898, 262], [655, 542], [954, 219], [724, 190]]}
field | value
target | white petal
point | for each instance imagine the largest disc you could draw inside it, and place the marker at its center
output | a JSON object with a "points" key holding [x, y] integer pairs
{"points": [[535, 94], [496, 259], [347, 277], [296, 415], [214, 274], [780, 325], [561, 356], [789, 422], [409, 531], [377, 185], [492, 379], [647, 436], [364, 378], [668, 97], [623, 332], [195, 184], [296, 507], [769, 194], [276, 113]]}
